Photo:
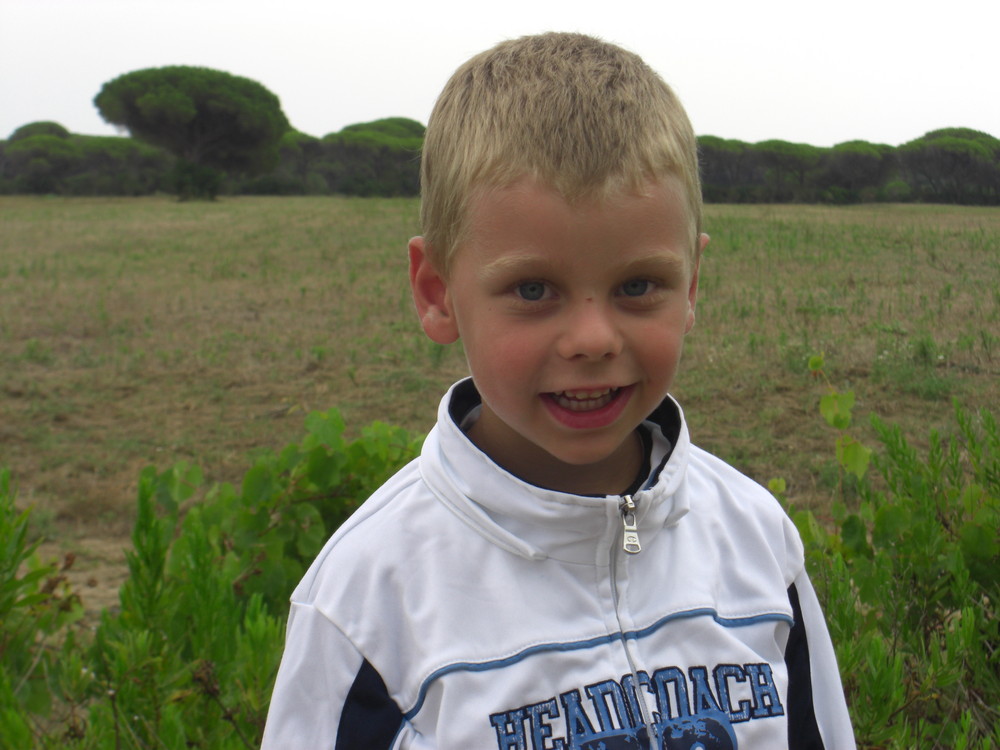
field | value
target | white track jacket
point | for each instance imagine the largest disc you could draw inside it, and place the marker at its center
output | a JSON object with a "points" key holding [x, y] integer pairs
{"points": [[461, 608]]}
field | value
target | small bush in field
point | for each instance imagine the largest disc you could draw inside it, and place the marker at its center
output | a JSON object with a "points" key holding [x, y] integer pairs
{"points": [[189, 658], [36, 609], [910, 579]]}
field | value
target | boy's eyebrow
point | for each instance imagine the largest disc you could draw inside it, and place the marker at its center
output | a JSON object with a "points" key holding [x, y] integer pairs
{"points": [[668, 263], [513, 262]]}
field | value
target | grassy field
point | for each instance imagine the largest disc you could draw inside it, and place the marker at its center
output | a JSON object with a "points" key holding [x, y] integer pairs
{"points": [[145, 331]]}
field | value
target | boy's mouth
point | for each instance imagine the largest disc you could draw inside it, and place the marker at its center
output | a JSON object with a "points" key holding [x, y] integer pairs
{"points": [[585, 400]]}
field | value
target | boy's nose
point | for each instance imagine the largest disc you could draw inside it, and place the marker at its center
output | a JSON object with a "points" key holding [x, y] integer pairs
{"points": [[590, 333]]}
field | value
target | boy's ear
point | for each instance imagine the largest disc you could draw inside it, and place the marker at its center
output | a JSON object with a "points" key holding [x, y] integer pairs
{"points": [[430, 295], [693, 286]]}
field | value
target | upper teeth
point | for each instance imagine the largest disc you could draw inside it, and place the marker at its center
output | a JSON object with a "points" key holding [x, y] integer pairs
{"points": [[586, 394]]}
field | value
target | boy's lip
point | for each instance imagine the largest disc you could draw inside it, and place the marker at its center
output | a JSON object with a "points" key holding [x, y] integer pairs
{"points": [[588, 408]]}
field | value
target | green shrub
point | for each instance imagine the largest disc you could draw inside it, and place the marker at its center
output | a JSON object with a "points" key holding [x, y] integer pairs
{"points": [[36, 610], [44, 127], [192, 181], [910, 581], [188, 660]]}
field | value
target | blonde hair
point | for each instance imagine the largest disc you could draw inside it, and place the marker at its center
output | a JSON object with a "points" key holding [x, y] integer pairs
{"points": [[582, 116]]}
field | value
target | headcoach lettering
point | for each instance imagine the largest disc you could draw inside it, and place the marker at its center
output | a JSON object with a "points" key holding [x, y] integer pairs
{"points": [[694, 710]]}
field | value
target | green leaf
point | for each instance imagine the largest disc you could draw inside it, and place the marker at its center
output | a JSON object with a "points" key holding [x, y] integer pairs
{"points": [[972, 497], [892, 522], [311, 532], [327, 426], [980, 548], [855, 536], [258, 485], [816, 363], [836, 409], [323, 467], [177, 484], [813, 535], [853, 456], [14, 728]]}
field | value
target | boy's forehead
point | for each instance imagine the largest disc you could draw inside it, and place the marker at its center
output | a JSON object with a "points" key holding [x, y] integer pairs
{"points": [[527, 214], [577, 195], [488, 198]]}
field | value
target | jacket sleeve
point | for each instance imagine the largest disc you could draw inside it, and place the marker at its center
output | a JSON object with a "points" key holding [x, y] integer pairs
{"points": [[817, 711], [326, 694]]}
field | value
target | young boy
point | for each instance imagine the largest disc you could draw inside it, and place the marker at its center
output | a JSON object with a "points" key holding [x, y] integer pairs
{"points": [[560, 568]]}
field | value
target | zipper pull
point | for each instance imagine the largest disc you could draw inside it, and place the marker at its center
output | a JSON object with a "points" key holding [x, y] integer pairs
{"points": [[630, 541]]}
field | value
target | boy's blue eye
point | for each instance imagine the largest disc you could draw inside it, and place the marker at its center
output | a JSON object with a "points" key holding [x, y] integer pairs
{"points": [[635, 288], [531, 291]]}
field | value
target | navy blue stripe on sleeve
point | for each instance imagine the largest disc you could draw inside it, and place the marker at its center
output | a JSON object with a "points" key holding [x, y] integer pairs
{"points": [[803, 733], [371, 719]]}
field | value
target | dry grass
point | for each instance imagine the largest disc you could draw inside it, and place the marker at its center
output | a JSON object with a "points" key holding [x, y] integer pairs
{"points": [[138, 331], [904, 301], [147, 331]]}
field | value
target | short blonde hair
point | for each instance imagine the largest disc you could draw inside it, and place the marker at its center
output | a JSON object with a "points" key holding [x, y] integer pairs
{"points": [[584, 117]]}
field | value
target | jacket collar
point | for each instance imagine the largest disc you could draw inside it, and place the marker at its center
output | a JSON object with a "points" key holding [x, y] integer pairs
{"points": [[538, 523]]}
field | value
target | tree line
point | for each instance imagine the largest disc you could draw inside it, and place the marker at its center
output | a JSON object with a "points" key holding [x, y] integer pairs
{"points": [[951, 165], [198, 132], [954, 165], [375, 158]]}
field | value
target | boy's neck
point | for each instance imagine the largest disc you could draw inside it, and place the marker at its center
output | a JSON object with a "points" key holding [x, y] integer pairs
{"points": [[610, 476]]}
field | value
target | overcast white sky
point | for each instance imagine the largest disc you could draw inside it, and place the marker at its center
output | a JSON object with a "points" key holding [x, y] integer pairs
{"points": [[809, 71]]}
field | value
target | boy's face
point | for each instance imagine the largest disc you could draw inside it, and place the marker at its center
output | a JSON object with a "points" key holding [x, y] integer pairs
{"points": [[573, 319]]}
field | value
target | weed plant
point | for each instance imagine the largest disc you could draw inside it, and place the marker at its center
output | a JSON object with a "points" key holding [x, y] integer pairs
{"points": [[909, 575], [189, 656]]}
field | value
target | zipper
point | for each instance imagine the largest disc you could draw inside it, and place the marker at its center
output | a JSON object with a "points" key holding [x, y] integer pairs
{"points": [[631, 546], [630, 538]]}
